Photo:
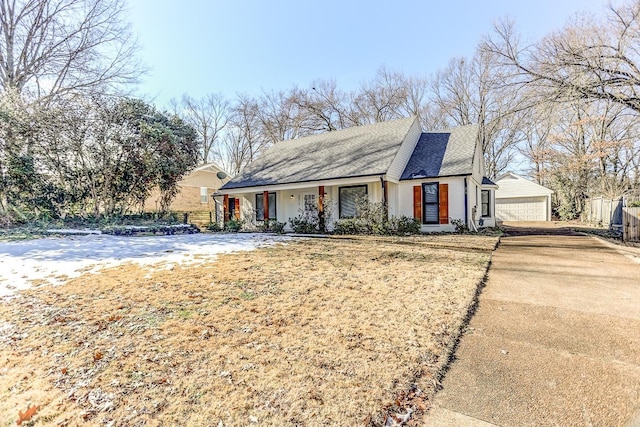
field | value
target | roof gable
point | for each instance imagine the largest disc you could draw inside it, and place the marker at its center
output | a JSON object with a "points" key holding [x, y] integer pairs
{"points": [[444, 153], [357, 151], [209, 167], [513, 185]]}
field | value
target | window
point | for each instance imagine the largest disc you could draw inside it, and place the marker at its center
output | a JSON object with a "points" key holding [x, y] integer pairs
{"points": [[430, 198], [204, 196], [348, 200], [260, 206], [485, 203]]}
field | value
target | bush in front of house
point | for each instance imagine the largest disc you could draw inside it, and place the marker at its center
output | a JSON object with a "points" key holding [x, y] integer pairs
{"points": [[371, 218], [460, 225], [350, 226], [304, 224], [215, 227], [397, 226], [233, 225], [273, 226], [403, 225]]}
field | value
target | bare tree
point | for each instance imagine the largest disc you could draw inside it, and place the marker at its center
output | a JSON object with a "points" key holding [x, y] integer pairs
{"points": [[537, 128], [476, 92], [52, 47], [587, 59], [234, 154], [382, 98], [208, 116], [324, 108], [280, 116]]}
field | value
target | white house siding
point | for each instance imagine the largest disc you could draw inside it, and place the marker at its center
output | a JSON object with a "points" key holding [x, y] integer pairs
{"points": [[478, 163], [456, 201], [290, 200], [392, 198], [404, 152], [488, 221]]}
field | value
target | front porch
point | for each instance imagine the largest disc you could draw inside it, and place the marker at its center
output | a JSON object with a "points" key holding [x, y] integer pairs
{"points": [[326, 202]]}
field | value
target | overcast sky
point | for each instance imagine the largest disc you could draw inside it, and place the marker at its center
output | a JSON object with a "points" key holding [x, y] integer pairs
{"points": [[246, 46]]}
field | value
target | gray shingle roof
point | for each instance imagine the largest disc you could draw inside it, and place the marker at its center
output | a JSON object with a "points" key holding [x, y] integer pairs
{"points": [[445, 153], [357, 151]]}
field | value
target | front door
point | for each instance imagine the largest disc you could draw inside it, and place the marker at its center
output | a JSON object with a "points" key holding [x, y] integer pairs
{"points": [[232, 208], [309, 205]]}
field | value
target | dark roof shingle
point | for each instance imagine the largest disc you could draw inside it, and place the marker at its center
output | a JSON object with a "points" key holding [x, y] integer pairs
{"points": [[446, 153]]}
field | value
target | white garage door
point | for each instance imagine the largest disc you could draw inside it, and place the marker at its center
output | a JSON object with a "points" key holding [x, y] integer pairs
{"points": [[522, 209]]}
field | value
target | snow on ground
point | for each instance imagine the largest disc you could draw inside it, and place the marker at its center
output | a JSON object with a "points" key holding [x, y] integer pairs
{"points": [[57, 259]]}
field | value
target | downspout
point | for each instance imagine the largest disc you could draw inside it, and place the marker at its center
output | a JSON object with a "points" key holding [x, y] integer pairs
{"points": [[466, 203], [383, 183]]}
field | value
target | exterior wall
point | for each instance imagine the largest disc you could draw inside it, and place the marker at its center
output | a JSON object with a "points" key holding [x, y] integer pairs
{"points": [[489, 221], [478, 163], [474, 194], [404, 205], [188, 198], [290, 203], [203, 178], [512, 185], [393, 202]]}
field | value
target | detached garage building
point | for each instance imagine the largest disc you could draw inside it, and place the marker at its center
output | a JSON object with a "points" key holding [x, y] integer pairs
{"points": [[518, 199]]}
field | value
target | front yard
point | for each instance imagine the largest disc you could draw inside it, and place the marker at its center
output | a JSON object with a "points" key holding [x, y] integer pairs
{"points": [[339, 331]]}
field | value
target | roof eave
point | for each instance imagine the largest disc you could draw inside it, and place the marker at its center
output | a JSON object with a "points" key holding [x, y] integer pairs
{"points": [[437, 176], [301, 184]]}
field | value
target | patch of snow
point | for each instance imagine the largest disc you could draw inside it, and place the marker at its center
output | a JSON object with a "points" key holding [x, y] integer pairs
{"points": [[54, 260]]}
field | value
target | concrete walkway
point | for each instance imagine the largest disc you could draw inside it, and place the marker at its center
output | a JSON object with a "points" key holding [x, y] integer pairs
{"points": [[555, 340]]}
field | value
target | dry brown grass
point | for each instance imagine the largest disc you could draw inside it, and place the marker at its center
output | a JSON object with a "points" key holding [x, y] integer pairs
{"points": [[334, 331]]}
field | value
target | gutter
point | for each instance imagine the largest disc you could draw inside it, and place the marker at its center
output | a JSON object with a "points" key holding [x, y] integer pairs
{"points": [[435, 176]]}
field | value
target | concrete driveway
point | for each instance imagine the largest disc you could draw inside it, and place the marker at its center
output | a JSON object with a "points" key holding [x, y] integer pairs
{"points": [[555, 340]]}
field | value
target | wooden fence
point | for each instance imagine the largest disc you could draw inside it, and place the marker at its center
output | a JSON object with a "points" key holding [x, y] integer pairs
{"points": [[631, 224], [606, 212], [199, 218]]}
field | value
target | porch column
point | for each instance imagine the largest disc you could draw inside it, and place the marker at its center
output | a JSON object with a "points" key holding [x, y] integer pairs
{"points": [[321, 223], [225, 208], [265, 205]]}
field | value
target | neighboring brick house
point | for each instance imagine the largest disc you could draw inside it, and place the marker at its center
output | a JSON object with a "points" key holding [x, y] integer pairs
{"points": [[195, 191]]}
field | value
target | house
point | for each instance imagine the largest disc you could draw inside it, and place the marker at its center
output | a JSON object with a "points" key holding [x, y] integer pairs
{"points": [[195, 191], [519, 199], [436, 177]]}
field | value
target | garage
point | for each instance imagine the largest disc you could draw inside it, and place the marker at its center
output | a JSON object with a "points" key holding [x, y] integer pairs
{"points": [[521, 209], [520, 199]]}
